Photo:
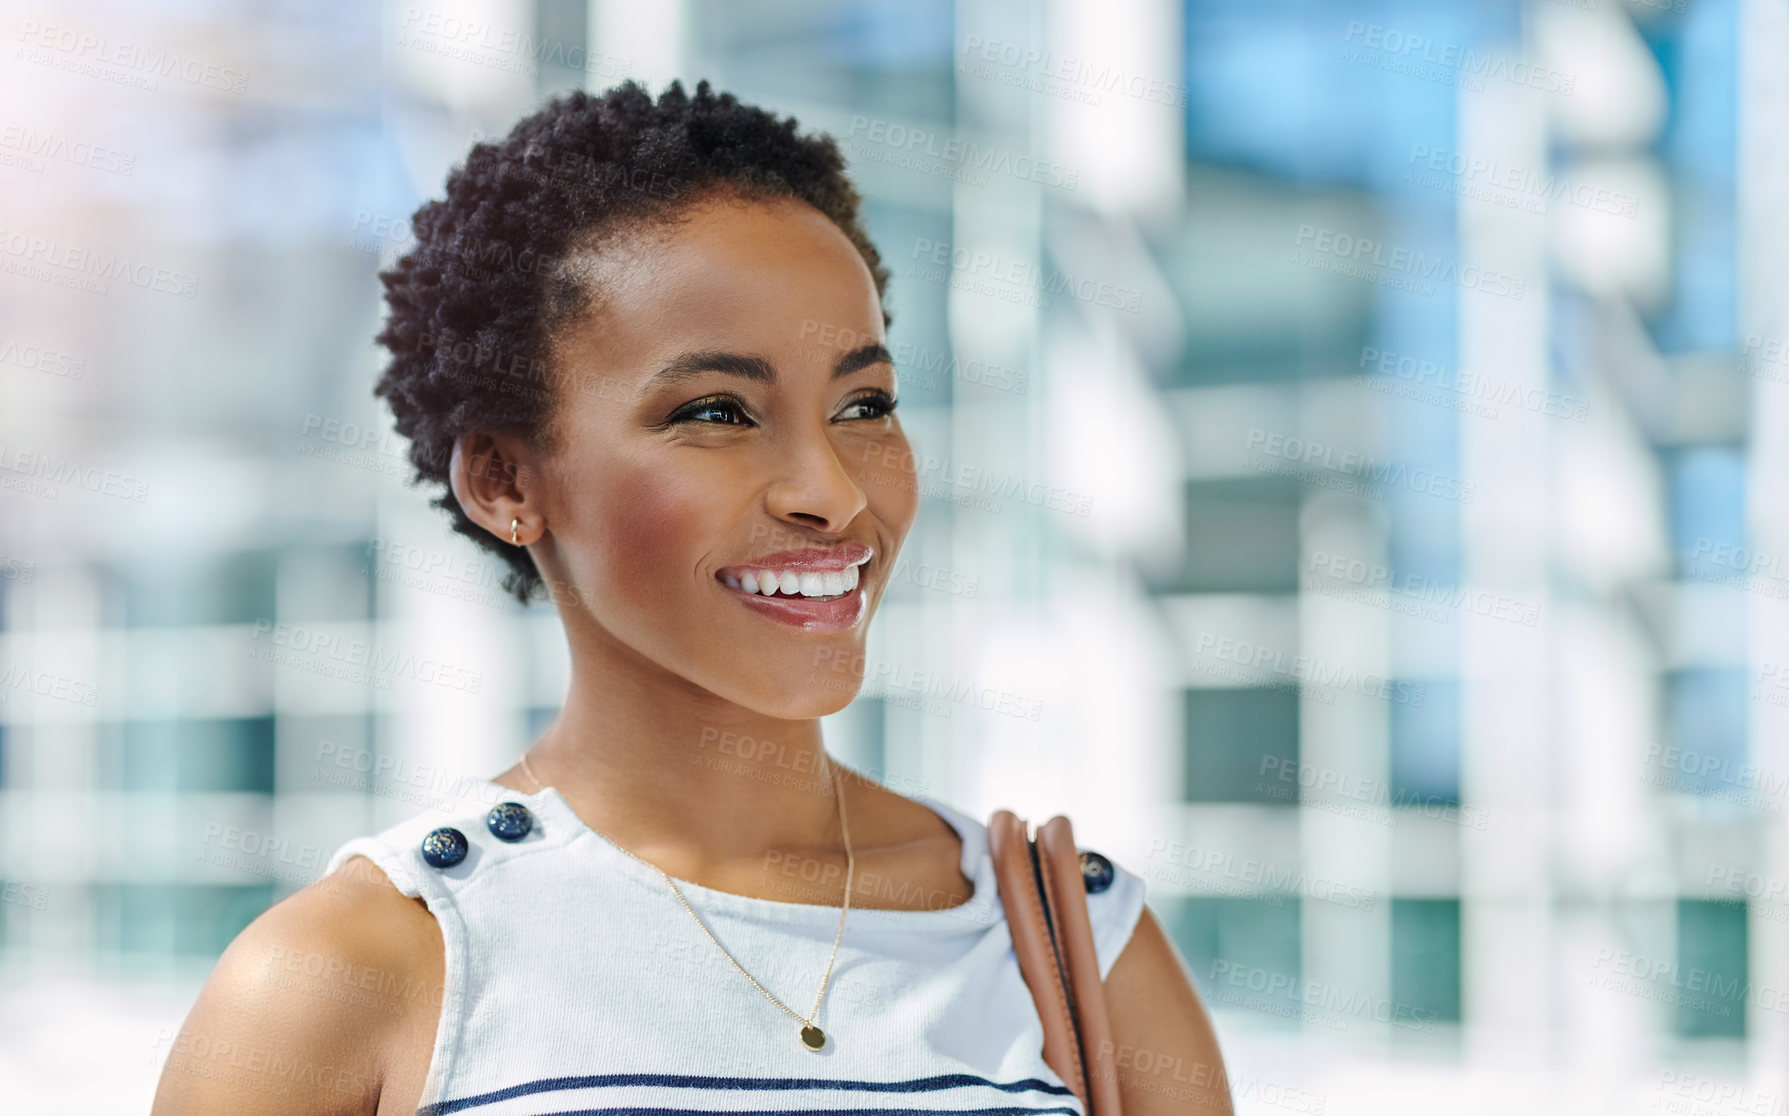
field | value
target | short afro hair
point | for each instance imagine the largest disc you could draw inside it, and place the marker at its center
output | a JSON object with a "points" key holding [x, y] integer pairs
{"points": [[475, 302]]}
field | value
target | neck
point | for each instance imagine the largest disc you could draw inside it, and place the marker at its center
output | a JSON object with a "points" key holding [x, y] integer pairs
{"points": [[685, 779]]}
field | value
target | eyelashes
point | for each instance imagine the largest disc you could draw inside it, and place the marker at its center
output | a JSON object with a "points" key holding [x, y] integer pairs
{"points": [[880, 402], [718, 404], [883, 402]]}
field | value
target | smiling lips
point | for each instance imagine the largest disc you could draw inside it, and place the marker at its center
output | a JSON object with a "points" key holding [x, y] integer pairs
{"points": [[814, 589]]}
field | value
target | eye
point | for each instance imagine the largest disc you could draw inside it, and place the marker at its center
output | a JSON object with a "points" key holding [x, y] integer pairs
{"points": [[718, 404], [881, 404]]}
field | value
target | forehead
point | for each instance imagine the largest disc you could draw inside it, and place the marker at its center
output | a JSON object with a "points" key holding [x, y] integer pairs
{"points": [[751, 277]]}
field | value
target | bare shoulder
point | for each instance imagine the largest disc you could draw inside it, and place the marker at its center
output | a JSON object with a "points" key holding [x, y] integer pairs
{"points": [[320, 1005], [1166, 1054]]}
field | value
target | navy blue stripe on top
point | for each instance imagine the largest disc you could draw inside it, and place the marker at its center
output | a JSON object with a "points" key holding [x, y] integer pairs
{"points": [[702, 1081], [821, 1112]]}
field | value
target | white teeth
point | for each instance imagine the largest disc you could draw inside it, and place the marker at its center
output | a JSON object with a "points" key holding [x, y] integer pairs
{"points": [[791, 582]]}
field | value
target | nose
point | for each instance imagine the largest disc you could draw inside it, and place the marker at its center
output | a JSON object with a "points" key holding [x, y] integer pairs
{"points": [[817, 485]]}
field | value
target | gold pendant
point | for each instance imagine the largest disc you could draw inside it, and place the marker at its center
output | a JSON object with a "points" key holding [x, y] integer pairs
{"points": [[813, 1037]]}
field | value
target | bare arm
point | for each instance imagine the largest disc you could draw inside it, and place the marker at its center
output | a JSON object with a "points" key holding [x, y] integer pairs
{"points": [[318, 1006], [1165, 1052]]}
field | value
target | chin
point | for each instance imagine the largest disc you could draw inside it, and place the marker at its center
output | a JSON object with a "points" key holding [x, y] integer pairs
{"points": [[818, 697]]}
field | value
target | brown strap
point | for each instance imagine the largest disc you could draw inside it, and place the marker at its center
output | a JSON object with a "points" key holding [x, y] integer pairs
{"points": [[1017, 878], [1066, 888]]}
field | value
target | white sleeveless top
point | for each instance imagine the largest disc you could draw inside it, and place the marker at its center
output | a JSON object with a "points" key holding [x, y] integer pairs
{"points": [[576, 983]]}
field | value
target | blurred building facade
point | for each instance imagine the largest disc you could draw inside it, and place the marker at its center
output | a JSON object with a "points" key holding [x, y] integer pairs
{"points": [[1345, 438]]}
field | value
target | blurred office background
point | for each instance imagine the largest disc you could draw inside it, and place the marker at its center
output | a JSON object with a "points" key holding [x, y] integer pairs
{"points": [[1352, 439]]}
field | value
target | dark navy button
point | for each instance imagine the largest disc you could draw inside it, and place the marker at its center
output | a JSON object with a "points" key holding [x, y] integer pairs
{"points": [[445, 847], [1096, 872], [509, 821]]}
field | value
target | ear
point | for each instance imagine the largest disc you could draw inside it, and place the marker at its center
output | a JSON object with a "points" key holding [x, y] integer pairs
{"points": [[492, 484]]}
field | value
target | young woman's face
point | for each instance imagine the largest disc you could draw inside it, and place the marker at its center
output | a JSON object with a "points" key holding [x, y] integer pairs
{"points": [[725, 410]]}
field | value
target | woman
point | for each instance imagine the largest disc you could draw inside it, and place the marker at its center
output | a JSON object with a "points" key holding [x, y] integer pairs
{"points": [[641, 346]]}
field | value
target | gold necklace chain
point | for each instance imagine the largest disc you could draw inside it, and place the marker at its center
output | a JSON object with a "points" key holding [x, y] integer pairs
{"points": [[812, 1037]]}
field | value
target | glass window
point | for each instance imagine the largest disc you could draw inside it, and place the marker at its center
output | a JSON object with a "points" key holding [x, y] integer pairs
{"points": [[1708, 988], [175, 919], [560, 34], [332, 582], [1425, 746], [234, 588], [1242, 746], [1241, 537], [1707, 508], [1425, 962], [1243, 953], [219, 754], [1705, 723]]}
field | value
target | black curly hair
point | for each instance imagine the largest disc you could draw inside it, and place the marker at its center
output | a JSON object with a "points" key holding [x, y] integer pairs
{"points": [[475, 303]]}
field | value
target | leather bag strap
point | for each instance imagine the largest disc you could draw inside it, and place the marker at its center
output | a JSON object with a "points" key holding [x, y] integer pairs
{"points": [[1033, 890], [1065, 888]]}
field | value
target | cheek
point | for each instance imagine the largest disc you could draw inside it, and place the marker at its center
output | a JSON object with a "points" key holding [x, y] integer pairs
{"points": [[652, 525], [890, 479]]}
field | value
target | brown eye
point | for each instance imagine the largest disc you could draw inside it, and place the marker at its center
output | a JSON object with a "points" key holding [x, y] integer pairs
{"points": [[881, 405], [720, 404]]}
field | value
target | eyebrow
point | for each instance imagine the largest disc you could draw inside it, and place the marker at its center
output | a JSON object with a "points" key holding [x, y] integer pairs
{"points": [[693, 364]]}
